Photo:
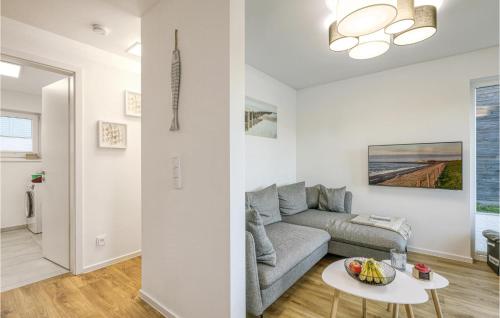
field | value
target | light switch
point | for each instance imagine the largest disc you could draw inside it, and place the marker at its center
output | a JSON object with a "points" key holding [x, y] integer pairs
{"points": [[176, 173]]}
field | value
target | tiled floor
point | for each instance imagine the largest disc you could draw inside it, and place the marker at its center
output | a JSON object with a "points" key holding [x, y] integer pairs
{"points": [[22, 262], [485, 221]]}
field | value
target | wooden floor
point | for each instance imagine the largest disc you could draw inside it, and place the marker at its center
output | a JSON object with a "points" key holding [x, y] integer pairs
{"points": [[108, 292], [113, 292], [473, 292]]}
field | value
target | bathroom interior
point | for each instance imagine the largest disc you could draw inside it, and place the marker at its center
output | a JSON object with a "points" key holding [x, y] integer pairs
{"points": [[35, 167]]}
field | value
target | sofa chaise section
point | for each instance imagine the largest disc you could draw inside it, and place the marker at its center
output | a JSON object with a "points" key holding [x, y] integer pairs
{"points": [[350, 239], [298, 249]]}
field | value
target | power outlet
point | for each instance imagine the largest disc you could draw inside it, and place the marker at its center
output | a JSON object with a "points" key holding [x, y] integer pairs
{"points": [[100, 240]]}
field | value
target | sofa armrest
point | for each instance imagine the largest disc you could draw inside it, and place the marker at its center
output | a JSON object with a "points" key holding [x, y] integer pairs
{"points": [[348, 202], [253, 294]]}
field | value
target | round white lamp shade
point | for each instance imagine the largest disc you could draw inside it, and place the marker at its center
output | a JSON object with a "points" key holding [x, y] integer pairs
{"points": [[362, 17], [371, 45], [338, 42], [405, 18], [425, 26]]}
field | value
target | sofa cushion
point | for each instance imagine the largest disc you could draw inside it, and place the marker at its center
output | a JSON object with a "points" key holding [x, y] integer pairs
{"points": [[312, 196], [292, 198], [293, 243], [340, 228], [279, 287], [366, 236], [331, 199], [264, 250], [265, 202], [315, 218]]}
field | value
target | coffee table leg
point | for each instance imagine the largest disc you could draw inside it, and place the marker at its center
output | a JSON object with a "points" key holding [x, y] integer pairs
{"points": [[437, 305], [335, 303], [389, 306], [395, 310], [364, 308], [409, 311]]}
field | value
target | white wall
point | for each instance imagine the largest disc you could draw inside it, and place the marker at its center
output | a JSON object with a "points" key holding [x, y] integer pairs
{"points": [[427, 102], [270, 160], [193, 261], [16, 175], [111, 178]]}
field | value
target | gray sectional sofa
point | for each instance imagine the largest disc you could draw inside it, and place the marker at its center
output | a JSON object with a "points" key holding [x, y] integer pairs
{"points": [[301, 239]]}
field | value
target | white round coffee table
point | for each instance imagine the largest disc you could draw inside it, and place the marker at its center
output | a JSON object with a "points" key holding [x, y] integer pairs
{"points": [[433, 285], [402, 291]]}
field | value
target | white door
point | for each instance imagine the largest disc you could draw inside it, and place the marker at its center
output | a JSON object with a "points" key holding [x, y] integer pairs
{"points": [[55, 158]]}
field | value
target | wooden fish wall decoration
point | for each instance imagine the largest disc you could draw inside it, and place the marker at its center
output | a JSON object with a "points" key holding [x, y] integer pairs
{"points": [[175, 84]]}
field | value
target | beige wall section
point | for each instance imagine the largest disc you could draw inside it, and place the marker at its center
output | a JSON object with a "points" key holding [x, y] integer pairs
{"points": [[426, 102], [191, 267], [271, 160], [111, 178]]}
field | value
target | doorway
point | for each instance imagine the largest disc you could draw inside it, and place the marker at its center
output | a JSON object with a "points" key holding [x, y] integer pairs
{"points": [[37, 166]]}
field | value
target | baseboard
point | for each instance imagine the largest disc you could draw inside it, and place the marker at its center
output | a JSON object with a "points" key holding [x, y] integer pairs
{"points": [[156, 305], [13, 228], [445, 255], [106, 263]]}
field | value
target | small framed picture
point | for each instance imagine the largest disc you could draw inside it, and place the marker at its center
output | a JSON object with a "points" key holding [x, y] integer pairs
{"points": [[112, 135], [132, 104]]}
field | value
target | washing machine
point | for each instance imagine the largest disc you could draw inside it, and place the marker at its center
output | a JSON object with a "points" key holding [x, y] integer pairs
{"points": [[34, 195]]}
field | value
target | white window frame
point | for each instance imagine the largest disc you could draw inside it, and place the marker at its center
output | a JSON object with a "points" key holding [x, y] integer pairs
{"points": [[35, 130]]}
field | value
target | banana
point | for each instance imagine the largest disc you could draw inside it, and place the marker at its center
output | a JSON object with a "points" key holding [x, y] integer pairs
{"points": [[362, 275], [376, 275], [372, 272], [380, 273], [369, 275]]}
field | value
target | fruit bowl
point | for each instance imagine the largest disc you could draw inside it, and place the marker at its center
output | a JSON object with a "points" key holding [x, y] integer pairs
{"points": [[369, 271]]}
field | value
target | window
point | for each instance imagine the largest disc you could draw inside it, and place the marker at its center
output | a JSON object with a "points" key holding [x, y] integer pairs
{"points": [[19, 134], [486, 104], [487, 148]]}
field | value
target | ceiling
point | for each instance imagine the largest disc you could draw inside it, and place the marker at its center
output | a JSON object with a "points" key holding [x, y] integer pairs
{"points": [[31, 80], [288, 40], [73, 19]]}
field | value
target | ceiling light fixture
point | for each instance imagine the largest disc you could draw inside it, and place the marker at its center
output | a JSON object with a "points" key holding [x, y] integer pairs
{"points": [[362, 17], [135, 49], [371, 45], [370, 24], [9, 69], [405, 18], [338, 42], [425, 26]]}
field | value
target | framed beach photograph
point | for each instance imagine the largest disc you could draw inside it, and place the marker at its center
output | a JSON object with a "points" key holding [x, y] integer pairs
{"points": [[261, 119], [423, 165], [112, 135], [132, 104]]}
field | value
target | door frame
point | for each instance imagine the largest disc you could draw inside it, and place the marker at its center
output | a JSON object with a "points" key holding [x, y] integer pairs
{"points": [[474, 84], [76, 167]]}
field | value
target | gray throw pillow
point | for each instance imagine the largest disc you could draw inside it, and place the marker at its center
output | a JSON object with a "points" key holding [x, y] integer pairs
{"points": [[265, 202], [332, 199], [264, 248], [292, 198], [312, 197]]}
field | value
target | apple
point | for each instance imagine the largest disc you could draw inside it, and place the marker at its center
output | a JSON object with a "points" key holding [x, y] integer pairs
{"points": [[355, 267]]}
